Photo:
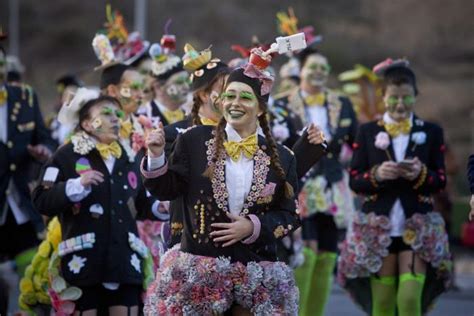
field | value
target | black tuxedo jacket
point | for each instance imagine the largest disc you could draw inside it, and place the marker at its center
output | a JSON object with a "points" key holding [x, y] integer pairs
{"points": [[184, 177], [415, 195], [122, 198], [25, 127]]}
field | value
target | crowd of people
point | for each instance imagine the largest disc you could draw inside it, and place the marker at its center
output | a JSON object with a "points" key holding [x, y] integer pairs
{"points": [[187, 185]]}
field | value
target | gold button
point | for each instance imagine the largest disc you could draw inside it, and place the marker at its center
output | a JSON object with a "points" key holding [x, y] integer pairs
{"points": [[10, 144], [17, 105], [13, 118], [15, 111], [12, 167], [330, 155]]}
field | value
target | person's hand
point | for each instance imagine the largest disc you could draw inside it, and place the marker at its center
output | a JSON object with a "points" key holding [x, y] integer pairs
{"points": [[91, 177], [155, 141], [471, 213], [230, 233], [39, 152], [315, 134], [388, 170], [412, 172]]}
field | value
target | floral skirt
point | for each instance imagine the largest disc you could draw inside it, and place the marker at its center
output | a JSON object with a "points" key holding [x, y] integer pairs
{"points": [[153, 234], [336, 199], [188, 284], [367, 242]]}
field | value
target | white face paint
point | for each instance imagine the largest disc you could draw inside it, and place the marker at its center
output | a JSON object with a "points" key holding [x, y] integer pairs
{"points": [[315, 71]]}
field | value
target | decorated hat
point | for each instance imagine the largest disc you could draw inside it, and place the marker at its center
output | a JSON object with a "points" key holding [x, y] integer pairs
{"points": [[359, 71], [164, 64], [384, 67], [69, 113], [202, 67]]}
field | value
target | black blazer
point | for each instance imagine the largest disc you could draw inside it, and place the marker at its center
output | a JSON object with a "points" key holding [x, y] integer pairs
{"points": [[122, 197], [470, 173], [183, 177], [342, 122], [415, 196], [155, 112], [25, 127], [177, 207]]}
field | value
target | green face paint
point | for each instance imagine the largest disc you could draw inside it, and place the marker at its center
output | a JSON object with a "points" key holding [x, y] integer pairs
{"points": [[247, 96], [408, 100], [228, 96], [137, 85], [321, 67]]}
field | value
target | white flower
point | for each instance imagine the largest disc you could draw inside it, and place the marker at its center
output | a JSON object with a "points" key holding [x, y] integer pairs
{"points": [[76, 264], [382, 140], [82, 143], [419, 138], [135, 262], [280, 132]]}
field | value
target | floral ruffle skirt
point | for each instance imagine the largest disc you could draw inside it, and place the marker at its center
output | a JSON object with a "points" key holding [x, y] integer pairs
{"points": [[188, 284], [367, 243]]}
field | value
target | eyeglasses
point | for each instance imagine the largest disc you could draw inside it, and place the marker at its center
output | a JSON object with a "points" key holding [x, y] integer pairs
{"points": [[406, 100]]}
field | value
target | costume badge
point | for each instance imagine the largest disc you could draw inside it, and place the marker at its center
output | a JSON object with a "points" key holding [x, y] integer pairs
{"points": [[132, 179], [82, 165], [97, 123], [345, 122], [50, 176], [96, 210], [76, 264]]}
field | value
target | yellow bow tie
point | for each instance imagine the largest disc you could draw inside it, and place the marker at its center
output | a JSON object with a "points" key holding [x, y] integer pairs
{"points": [[3, 97], [125, 129], [395, 129], [317, 99], [113, 149], [206, 121], [174, 116], [247, 146]]}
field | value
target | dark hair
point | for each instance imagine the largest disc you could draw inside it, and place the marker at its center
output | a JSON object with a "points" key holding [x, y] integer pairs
{"points": [[305, 53], [274, 155], [112, 75], [398, 76], [2, 50], [197, 103], [84, 111]]}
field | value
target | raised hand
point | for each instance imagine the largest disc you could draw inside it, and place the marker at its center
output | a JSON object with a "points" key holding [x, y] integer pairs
{"points": [[315, 134], [91, 177], [155, 141], [39, 152]]}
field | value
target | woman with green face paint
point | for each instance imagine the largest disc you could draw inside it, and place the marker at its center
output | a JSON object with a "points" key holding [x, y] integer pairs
{"points": [[396, 254], [238, 188], [93, 187]]}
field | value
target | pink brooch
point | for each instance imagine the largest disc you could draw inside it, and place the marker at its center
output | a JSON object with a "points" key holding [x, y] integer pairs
{"points": [[382, 141]]}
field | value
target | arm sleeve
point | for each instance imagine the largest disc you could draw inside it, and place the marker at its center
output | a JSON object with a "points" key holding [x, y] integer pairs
{"points": [[307, 154]]}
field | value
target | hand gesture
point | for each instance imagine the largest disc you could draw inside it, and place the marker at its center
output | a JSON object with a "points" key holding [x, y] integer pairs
{"points": [[91, 177], [39, 152], [471, 213], [412, 172], [315, 135], [388, 170], [155, 141], [230, 233]]}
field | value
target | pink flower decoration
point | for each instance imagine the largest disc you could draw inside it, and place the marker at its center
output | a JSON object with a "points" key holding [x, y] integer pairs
{"points": [[382, 65], [382, 140], [252, 71], [268, 190], [132, 179], [138, 142]]}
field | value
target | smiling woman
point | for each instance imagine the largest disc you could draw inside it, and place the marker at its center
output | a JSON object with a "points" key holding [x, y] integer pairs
{"points": [[238, 189]]}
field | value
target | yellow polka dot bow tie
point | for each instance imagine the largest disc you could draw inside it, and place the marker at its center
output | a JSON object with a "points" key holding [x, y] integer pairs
{"points": [[125, 129], [174, 116], [395, 129], [113, 149], [315, 99], [247, 146]]}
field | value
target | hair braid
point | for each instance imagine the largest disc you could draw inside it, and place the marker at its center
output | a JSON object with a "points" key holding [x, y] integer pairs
{"points": [[219, 146], [195, 109], [274, 156]]}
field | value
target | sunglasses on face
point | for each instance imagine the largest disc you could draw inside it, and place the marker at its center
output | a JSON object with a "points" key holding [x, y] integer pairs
{"points": [[110, 112], [320, 67], [406, 100]]}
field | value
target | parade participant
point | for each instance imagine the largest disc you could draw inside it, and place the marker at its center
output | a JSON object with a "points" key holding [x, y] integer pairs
{"points": [[171, 85], [207, 77], [238, 187], [92, 185], [325, 198], [66, 86], [396, 254], [24, 142], [470, 175]]}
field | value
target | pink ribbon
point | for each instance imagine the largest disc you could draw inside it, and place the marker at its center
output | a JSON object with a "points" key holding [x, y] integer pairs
{"points": [[266, 79]]}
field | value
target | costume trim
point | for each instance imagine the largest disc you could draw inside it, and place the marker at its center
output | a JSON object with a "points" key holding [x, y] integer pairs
{"points": [[154, 173]]}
